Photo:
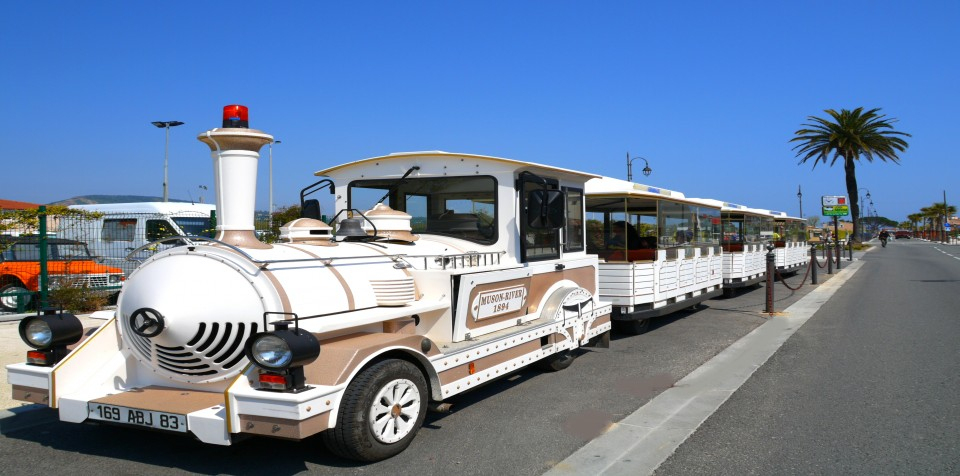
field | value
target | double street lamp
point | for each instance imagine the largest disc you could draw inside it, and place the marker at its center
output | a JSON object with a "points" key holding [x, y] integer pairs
{"points": [[166, 151], [646, 170], [859, 212]]}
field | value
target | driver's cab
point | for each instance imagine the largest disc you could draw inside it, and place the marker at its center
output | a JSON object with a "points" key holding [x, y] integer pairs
{"points": [[471, 203]]}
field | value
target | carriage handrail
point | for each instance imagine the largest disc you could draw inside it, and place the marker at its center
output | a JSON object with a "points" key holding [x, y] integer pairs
{"points": [[487, 257]]}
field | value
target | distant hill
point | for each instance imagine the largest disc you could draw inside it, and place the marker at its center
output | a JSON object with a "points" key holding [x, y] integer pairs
{"points": [[97, 199]]}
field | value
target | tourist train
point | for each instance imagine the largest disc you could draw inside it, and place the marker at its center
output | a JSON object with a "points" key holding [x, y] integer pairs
{"points": [[438, 272]]}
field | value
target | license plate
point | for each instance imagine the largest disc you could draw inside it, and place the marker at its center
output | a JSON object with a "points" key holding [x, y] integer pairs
{"points": [[133, 416]]}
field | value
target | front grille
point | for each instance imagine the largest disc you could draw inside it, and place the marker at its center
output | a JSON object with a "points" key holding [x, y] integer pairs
{"points": [[214, 352], [82, 281]]}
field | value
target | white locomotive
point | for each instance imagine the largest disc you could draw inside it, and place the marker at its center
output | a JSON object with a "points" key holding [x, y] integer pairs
{"points": [[446, 271]]}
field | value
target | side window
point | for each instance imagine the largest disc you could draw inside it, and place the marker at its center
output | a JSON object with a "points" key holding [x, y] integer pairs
{"points": [[573, 231], [119, 229], [536, 244], [159, 229]]}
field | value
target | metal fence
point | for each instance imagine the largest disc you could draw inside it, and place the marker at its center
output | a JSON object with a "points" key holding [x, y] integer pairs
{"points": [[55, 259]]}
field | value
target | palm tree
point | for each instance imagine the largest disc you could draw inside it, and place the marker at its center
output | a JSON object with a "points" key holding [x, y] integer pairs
{"points": [[914, 218], [938, 213], [851, 135]]}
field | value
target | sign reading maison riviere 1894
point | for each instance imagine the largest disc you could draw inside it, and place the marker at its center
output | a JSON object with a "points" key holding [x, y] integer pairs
{"points": [[835, 206]]}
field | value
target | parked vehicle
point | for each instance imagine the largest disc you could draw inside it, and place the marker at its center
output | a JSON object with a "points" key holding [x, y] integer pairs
{"points": [[222, 337], [125, 227], [69, 263], [904, 234], [660, 253]]}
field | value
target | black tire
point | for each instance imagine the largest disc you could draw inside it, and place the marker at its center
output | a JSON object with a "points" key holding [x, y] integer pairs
{"points": [[9, 303], [355, 436], [557, 362], [635, 327]]}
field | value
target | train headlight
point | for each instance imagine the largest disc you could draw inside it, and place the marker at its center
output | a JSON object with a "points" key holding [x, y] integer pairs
{"points": [[281, 355], [271, 352], [50, 333], [37, 333]]}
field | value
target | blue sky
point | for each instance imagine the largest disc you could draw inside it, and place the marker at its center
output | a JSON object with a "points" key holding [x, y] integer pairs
{"points": [[709, 92]]}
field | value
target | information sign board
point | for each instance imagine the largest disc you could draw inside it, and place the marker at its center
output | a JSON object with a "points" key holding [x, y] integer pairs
{"points": [[835, 206], [836, 211]]}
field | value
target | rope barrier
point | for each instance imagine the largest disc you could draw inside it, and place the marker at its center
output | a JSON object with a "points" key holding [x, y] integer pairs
{"points": [[821, 266], [804, 280]]}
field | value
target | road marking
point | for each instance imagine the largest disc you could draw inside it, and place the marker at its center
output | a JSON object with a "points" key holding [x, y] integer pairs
{"points": [[642, 441]]}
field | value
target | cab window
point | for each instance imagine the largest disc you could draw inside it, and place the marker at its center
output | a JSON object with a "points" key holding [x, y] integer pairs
{"points": [[462, 207]]}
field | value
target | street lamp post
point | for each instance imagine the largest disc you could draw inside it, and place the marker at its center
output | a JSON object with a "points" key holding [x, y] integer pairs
{"points": [[646, 170], [859, 214], [271, 183], [800, 199], [166, 151]]}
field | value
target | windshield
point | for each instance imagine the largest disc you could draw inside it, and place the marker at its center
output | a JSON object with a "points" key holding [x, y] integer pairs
{"points": [[464, 207], [55, 252]]}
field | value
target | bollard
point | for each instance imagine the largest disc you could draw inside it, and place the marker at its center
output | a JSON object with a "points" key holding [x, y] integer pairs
{"points": [[813, 264], [839, 253], [850, 248], [829, 257], [771, 269]]}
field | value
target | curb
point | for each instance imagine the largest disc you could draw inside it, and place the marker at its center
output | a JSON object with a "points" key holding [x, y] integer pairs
{"points": [[24, 417]]}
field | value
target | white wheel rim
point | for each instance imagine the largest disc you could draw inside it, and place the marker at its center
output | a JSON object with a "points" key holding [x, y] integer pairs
{"points": [[395, 411]]}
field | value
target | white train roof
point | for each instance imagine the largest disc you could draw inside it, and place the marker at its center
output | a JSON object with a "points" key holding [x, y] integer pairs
{"points": [[732, 207], [480, 164]]}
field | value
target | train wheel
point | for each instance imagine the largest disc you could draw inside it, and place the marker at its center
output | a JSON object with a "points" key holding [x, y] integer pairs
{"points": [[8, 296], [633, 327], [557, 362], [381, 412]]}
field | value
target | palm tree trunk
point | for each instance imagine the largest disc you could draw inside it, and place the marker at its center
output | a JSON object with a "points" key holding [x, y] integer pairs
{"points": [[850, 168]]}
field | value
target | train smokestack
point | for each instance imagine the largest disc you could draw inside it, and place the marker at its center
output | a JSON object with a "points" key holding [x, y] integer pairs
{"points": [[235, 149]]}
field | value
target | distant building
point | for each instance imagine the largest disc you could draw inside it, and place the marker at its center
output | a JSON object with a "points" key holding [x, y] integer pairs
{"points": [[15, 205], [7, 226]]}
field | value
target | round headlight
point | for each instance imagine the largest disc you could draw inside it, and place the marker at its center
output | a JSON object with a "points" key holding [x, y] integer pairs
{"points": [[37, 333], [271, 351], [282, 348], [51, 329]]}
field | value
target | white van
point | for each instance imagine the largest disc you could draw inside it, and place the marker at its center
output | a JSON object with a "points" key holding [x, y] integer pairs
{"points": [[124, 227]]}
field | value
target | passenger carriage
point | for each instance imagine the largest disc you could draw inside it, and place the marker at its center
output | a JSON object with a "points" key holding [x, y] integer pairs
{"points": [[790, 241], [745, 233], [659, 252], [441, 272]]}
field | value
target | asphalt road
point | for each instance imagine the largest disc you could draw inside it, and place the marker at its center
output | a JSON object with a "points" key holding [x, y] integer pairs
{"points": [[869, 385]]}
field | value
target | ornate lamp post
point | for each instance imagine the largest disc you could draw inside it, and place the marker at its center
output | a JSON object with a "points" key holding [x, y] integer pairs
{"points": [[646, 170], [859, 214]]}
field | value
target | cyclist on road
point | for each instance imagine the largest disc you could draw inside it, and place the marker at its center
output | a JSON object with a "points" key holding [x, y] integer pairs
{"points": [[884, 236]]}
